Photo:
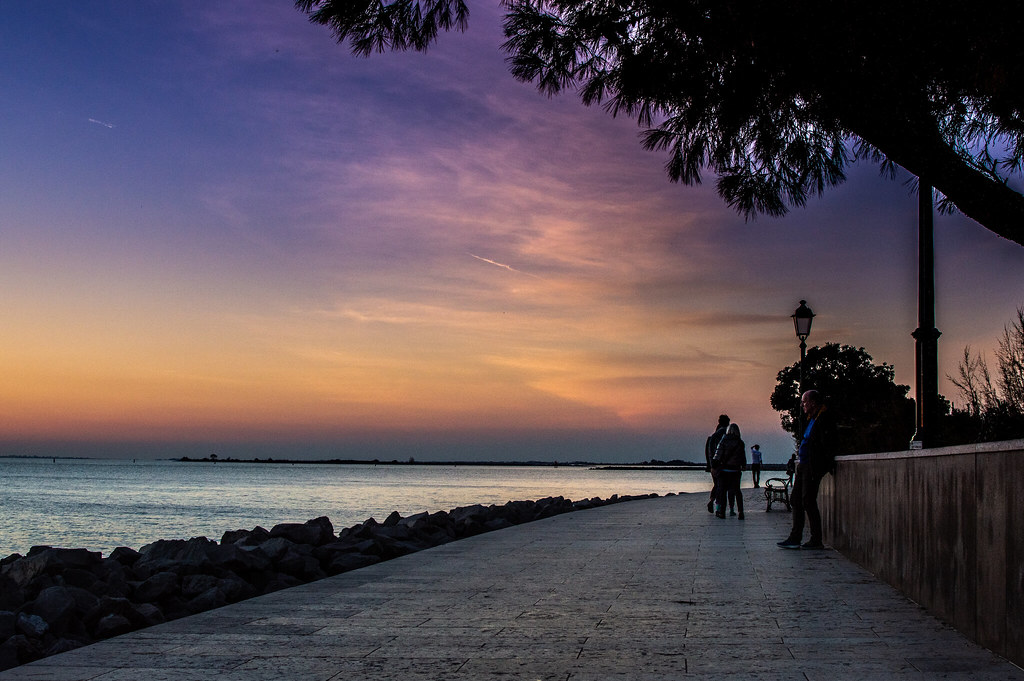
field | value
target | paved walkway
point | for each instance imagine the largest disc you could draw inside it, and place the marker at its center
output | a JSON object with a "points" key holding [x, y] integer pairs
{"points": [[646, 590]]}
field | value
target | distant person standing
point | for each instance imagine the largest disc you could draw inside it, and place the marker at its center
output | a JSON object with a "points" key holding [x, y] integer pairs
{"points": [[730, 458], [755, 464], [710, 447], [816, 457]]}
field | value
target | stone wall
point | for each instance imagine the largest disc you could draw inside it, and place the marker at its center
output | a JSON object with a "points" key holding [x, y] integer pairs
{"points": [[944, 526]]}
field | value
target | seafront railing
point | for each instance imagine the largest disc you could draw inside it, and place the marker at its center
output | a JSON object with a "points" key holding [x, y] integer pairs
{"points": [[945, 526]]}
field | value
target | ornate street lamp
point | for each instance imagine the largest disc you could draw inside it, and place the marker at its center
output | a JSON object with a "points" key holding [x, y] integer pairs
{"points": [[802, 319]]}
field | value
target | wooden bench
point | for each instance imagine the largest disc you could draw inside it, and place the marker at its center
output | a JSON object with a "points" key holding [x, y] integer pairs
{"points": [[777, 490]]}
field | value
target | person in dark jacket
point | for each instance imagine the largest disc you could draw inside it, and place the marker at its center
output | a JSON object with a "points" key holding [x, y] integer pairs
{"points": [[710, 447], [730, 459], [816, 457]]}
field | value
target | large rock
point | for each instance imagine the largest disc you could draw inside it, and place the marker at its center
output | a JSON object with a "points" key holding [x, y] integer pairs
{"points": [[46, 560], [117, 588], [22, 648], [175, 607], [59, 606], [7, 620], [313, 532], [239, 559], [553, 506], [63, 645], [365, 529], [124, 555], [111, 579], [113, 625], [12, 596], [84, 599], [276, 548], [10, 559], [108, 605], [78, 577], [439, 525], [161, 550], [212, 598], [183, 557], [32, 626], [463, 513], [304, 567], [232, 536], [396, 532], [254, 538], [513, 513], [149, 614], [9, 654], [469, 520], [235, 588], [193, 585], [326, 553], [416, 521], [296, 533], [160, 586]]}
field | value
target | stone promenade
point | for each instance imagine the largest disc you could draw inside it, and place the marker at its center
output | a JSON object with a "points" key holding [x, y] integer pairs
{"points": [[654, 589]]}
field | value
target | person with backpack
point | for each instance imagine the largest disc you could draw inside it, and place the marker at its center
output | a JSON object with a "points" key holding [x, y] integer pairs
{"points": [[815, 458], [710, 447], [730, 460]]}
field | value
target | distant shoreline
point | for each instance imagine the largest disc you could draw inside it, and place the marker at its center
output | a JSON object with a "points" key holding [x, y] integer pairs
{"points": [[643, 466], [380, 462], [655, 465], [37, 456]]}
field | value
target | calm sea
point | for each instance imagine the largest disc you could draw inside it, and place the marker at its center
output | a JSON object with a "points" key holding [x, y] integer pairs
{"points": [[102, 504]]}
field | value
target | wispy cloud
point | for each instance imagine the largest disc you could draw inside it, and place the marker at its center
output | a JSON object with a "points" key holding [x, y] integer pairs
{"points": [[103, 123], [503, 265]]}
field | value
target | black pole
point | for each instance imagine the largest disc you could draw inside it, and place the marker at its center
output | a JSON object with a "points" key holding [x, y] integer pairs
{"points": [[926, 336], [799, 402]]}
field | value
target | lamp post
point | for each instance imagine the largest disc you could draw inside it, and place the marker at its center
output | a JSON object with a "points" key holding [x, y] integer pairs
{"points": [[802, 324]]}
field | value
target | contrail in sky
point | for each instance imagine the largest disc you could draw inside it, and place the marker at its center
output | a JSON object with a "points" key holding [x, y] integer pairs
{"points": [[507, 267], [105, 125]]}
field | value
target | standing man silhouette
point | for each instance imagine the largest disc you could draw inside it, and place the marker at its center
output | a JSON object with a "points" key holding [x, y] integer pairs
{"points": [[710, 447], [816, 457], [755, 464]]}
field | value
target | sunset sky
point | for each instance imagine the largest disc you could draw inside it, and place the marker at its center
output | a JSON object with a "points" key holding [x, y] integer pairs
{"points": [[221, 232]]}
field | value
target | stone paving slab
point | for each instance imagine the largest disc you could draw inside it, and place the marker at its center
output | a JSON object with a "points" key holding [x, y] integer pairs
{"points": [[644, 590]]}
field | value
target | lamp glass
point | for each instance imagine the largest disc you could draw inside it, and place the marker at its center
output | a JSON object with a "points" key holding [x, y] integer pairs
{"points": [[802, 320]]}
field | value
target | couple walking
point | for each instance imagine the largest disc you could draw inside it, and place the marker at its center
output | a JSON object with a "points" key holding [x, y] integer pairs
{"points": [[726, 456]]}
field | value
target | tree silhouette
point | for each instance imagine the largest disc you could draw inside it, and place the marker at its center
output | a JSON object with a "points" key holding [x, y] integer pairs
{"points": [[776, 98], [993, 410], [872, 411]]}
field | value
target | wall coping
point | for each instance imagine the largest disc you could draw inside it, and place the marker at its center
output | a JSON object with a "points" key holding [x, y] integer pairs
{"points": [[978, 448]]}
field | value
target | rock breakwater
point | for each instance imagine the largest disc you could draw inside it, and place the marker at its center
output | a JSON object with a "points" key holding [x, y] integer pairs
{"points": [[57, 599]]}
